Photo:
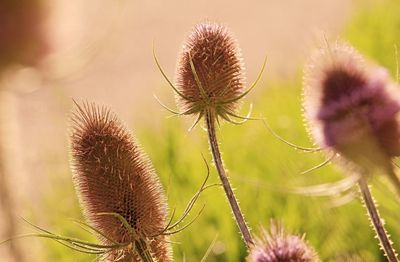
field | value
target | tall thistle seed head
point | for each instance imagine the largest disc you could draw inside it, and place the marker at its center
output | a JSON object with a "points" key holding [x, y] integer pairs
{"points": [[113, 175], [210, 72], [277, 246], [22, 32], [352, 108]]}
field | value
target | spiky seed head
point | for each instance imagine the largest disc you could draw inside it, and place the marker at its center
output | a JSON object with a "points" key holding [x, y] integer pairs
{"points": [[210, 72], [277, 246], [113, 175], [351, 107], [22, 33]]}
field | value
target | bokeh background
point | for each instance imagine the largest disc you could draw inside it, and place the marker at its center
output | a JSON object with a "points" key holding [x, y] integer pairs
{"points": [[101, 51]]}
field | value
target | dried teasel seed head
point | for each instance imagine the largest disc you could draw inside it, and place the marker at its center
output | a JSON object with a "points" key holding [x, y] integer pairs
{"points": [[352, 108], [22, 32], [210, 72], [113, 175], [277, 246]]}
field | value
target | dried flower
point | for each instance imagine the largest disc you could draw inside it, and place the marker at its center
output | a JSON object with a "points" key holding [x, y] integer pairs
{"points": [[351, 108], [277, 246], [22, 38], [210, 72], [113, 177], [210, 82]]}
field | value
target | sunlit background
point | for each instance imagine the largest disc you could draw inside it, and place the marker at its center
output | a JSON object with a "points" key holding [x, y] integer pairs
{"points": [[101, 51]]}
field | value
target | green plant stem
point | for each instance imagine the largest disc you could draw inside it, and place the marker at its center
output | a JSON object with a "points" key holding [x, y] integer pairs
{"points": [[210, 120], [376, 220]]}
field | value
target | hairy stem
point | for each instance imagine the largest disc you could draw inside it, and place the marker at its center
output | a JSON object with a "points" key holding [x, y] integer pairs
{"points": [[376, 221], [210, 120]]}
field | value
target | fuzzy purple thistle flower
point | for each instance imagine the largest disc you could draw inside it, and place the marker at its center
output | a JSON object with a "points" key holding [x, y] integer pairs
{"points": [[276, 246], [351, 108]]}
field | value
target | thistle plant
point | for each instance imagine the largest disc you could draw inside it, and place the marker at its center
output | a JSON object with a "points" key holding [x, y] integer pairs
{"points": [[276, 245], [352, 110], [120, 193], [210, 82], [117, 186]]}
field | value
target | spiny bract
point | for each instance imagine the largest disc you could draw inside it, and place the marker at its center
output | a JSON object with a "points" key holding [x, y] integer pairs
{"points": [[113, 175]]}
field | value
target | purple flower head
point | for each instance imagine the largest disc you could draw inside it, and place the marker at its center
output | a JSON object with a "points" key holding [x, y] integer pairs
{"points": [[276, 246], [350, 108]]}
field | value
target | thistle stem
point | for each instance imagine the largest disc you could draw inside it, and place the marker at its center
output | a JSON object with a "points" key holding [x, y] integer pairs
{"points": [[210, 120], [376, 221]]}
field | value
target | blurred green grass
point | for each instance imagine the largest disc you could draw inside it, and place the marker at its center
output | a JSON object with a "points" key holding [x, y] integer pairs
{"points": [[259, 167]]}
